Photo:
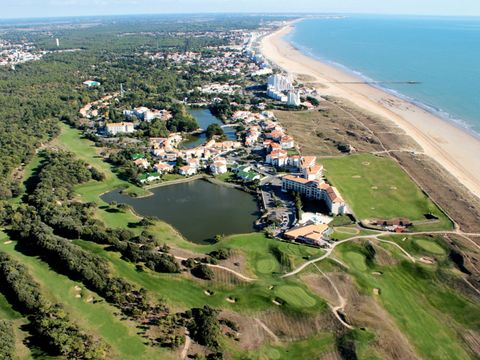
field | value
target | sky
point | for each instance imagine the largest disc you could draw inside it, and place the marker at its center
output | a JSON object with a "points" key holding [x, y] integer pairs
{"points": [[56, 8]]}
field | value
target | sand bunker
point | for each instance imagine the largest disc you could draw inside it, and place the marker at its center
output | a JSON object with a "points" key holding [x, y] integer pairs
{"points": [[276, 302], [7, 242], [366, 163], [393, 188], [377, 273], [376, 291], [356, 176], [374, 187], [427, 260], [208, 293], [231, 300]]}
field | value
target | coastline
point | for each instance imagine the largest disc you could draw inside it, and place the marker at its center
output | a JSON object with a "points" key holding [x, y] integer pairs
{"points": [[439, 138]]}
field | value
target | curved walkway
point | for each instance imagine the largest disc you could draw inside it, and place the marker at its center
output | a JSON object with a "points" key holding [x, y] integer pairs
{"points": [[342, 301]]}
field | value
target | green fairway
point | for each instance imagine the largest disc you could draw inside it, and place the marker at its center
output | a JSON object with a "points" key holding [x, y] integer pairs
{"points": [[430, 246], [357, 260], [95, 317], [426, 310], [266, 266], [312, 348], [71, 140], [377, 188], [295, 296]]}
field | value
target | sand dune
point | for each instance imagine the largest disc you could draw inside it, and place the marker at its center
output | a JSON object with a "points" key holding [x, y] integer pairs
{"points": [[452, 147]]}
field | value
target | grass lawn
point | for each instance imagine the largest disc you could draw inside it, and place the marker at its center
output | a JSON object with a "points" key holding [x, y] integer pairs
{"points": [[71, 140], [182, 291], [295, 296], [312, 348], [427, 311], [430, 246], [376, 187], [95, 318]]}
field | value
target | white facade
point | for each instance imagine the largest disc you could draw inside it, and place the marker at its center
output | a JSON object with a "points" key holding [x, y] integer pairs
{"points": [[293, 99], [120, 128]]}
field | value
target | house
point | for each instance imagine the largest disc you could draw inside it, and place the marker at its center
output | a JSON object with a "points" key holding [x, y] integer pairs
{"points": [[277, 158], [148, 177], [142, 162], [119, 128], [187, 170], [163, 168], [248, 176], [310, 234], [91, 83], [275, 135], [219, 166], [286, 142]]}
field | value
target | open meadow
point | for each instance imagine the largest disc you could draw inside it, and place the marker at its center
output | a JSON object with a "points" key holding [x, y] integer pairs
{"points": [[375, 187]]}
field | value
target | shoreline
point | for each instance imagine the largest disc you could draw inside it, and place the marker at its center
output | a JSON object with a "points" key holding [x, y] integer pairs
{"points": [[438, 137]]}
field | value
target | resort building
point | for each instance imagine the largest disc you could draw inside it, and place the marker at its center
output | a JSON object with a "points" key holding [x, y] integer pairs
{"points": [[313, 172], [318, 190], [310, 234], [119, 128], [145, 114]]}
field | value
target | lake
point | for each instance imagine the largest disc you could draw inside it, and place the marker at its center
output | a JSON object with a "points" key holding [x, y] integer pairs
{"points": [[204, 118], [198, 209]]}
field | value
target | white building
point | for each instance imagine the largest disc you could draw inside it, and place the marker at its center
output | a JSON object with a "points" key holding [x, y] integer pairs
{"points": [[293, 99], [119, 128], [279, 83], [187, 170], [318, 190], [219, 166]]}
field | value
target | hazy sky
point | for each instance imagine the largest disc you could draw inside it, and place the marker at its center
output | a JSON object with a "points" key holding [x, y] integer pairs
{"points": [[42, 8]]}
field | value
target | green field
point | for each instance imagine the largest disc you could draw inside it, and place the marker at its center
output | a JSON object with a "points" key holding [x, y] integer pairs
{"points": [[377, 188], [430, 246], [295, 296], [98, 318], [431, 314], [71, 140]]}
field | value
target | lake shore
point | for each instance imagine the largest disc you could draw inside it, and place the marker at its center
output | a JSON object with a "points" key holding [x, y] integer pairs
{"points": [[452, 147]]}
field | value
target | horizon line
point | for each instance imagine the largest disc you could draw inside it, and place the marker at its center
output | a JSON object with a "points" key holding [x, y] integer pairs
{"points": [[242, 13]]}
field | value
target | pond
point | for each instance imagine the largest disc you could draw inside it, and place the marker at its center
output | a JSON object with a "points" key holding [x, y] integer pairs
{"points": [[198, 209], [204, 118]]}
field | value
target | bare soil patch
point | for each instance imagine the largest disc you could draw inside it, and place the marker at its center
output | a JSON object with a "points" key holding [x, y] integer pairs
{"points": [[324, 130]]}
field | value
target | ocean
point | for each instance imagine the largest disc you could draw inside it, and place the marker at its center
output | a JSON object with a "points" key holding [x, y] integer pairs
{"points": [[441, 53]]}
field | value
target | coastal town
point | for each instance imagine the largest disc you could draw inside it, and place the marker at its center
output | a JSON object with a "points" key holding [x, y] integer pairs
{"points": [[200, 186], [249, 148]]}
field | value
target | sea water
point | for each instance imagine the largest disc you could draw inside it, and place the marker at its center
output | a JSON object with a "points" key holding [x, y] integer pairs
{"points": [[442, 53]]}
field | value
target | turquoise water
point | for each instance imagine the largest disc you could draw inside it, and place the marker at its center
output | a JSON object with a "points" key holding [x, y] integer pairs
{"points": [[442, 53]]}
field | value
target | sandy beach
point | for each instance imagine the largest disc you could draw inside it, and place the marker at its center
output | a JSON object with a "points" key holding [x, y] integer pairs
{"points": [[452, 147]]}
